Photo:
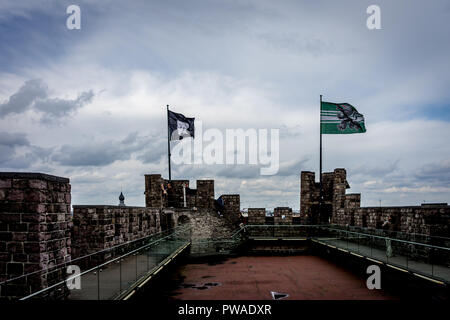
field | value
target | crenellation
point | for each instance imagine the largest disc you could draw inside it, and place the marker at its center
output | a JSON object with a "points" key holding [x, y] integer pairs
{"points": [[232, 207], [162, 193], [37, 230], [256, 216], [35, 227], [282, 215]]}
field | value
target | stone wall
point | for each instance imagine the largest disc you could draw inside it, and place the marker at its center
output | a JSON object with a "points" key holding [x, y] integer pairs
{"points": [[155, 197], [426, 220], [101, 227], [334, 186], [345, 208], [205, 194], [35, 220], [210, 232], [309, 192], [282, 215], [232, 210], [35, 224], [153, 193], [256, 216]]}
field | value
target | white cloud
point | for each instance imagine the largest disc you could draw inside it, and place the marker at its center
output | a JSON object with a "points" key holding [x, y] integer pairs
{"points": [[234, 65]]}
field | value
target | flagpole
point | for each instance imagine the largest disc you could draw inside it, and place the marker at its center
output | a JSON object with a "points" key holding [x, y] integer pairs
{"points": [[320, 167], [168, 143]]}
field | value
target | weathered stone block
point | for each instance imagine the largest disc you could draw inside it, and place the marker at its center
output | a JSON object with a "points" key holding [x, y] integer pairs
{"points": [[16, 195], [5, 183]]}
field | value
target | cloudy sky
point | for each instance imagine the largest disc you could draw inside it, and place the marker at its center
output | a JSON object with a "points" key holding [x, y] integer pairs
{"points": [[89, 104]]}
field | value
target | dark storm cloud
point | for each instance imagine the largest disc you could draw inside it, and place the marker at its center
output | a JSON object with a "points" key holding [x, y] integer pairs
{"points": [[14, 161], [381, 170], [24, 97], [265, 61], [436, 173], [10, 157], [13, 139], [146, 148], [154, 154], [98, 153], [8, 144], [34, 94], [56, 108]]}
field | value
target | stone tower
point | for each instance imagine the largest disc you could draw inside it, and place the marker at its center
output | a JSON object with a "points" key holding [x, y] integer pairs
{"points": [[334, 185]]}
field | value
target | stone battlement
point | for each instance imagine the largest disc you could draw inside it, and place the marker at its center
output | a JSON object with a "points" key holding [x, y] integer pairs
{"points": [[35, 225], [38, 232], [162, 193]]}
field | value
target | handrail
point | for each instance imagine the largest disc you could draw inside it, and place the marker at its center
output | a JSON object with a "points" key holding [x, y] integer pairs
{"points": [[394, 239], [244, 228], [97, 267], [177, 230], [56, 267], [343, 230], [397, 232]]}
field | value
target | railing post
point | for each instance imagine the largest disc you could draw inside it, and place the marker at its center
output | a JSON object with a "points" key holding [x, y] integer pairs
{"points": [[28, 285], [348, 235], [431, 260], [6, 287], [135, 254], [390, 244], [120, 275], [65, 288], [407, 265], [357, 243], [98, 283], [371, 246], [148, 258]]}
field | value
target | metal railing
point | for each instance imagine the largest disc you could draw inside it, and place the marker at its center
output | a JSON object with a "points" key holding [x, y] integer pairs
{"points": [[423, 259], [108, 273], [281, 231], [415, 237], [104, 274]]}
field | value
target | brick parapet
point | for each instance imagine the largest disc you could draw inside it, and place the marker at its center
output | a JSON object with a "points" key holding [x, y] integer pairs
{"points": [[35, 224], [256, 216], [101, 227], [232, 207], [282, 215], [175, 196]]}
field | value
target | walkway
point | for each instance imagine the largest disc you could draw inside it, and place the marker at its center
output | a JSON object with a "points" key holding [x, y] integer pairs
{"points": [[439, 273], [118, 277]]}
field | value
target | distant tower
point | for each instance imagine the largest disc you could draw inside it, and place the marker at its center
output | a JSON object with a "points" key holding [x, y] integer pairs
{"points": [[121, 199]]}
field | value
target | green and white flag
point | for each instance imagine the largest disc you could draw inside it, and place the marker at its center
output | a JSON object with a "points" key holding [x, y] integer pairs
{"points": [[340, 118]]}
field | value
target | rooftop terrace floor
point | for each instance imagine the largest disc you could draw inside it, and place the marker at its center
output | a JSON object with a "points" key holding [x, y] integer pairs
{"points": [[302, 277]]}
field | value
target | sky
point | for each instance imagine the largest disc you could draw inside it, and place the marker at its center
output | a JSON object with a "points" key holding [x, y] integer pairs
{"points": [[89, 104]]}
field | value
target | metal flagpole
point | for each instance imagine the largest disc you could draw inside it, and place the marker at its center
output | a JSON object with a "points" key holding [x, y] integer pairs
{"points": [[168, 143], [320, 167]]}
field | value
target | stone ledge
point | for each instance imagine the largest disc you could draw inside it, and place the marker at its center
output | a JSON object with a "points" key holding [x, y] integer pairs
{"points": [[32, 175], [107, 206], [407, 207]]}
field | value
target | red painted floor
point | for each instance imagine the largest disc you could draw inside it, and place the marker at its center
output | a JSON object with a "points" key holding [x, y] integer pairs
{"points": [[253, 278]]}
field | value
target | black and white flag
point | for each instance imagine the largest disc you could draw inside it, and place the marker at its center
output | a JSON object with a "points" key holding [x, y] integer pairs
{"points": [[180, 126]]}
